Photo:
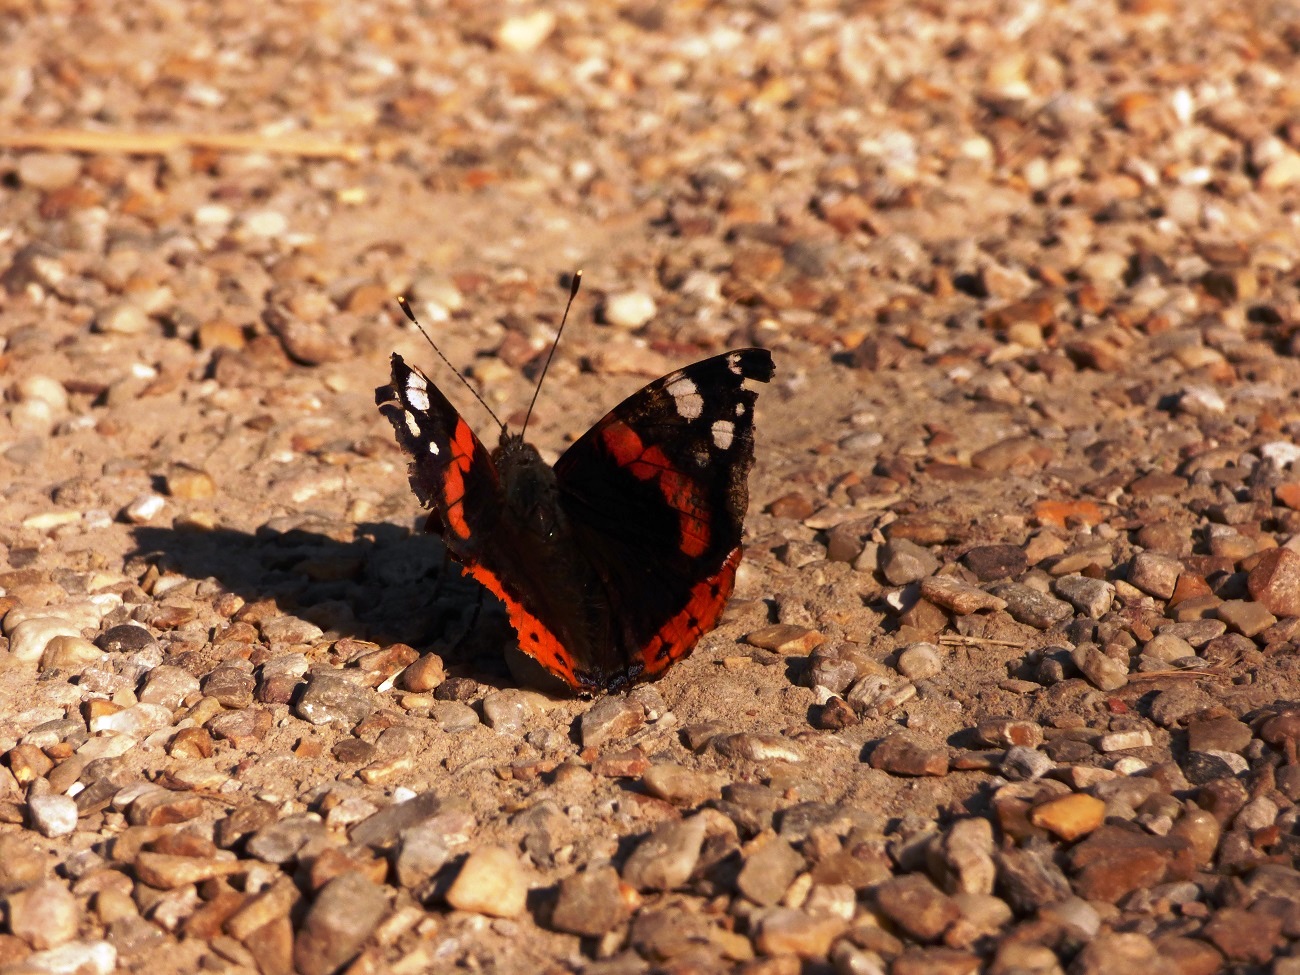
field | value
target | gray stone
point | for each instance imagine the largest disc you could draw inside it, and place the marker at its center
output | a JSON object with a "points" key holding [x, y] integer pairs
{"points": [[1154, 574], [1217, 734], [289, 629], [44, 915], [917, 906], [1028, 877], [507, 712], [920, 661], [769, 871], [610, 719], [589, 903], [389, 823], [1091, 597], [423, 853], [283, 841], [53, 815], [329, 699], [1022, 764], [231, 686], [990, 562], [665, 859], [168, 686], [962, 859], [1033, 608], [1098, 669], [454, 716], [345, 913], [903, 561]]}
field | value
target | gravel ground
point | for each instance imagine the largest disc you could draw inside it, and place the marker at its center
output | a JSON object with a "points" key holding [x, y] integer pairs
{"points": [[1011, 679]]}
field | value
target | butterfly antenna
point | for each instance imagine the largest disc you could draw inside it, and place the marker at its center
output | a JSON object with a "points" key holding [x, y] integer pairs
{"points": [[406, 307], [573, 293]]}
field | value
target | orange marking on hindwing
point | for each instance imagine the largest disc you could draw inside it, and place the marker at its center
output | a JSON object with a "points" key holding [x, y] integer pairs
{"points": [[462, 456], [680, 491], [678, 636], [534, 638]]}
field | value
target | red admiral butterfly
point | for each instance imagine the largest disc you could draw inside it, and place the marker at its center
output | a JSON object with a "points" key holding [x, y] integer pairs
{"points": [[613, 563]]}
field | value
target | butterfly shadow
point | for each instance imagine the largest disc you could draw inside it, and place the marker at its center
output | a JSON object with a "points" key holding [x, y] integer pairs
{"points": [[384, 584]]}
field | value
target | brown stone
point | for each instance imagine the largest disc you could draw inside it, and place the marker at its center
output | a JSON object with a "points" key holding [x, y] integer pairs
{"points": [[785, 639], [1275, 582], [1070, 817], [917, 906], [901, 754], [1245, 936]]}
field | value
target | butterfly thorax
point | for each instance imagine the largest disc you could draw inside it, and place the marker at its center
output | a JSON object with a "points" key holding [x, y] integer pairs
{"points": [[530, 489]]}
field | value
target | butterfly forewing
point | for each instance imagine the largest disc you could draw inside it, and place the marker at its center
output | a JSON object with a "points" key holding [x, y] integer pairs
{"points": [[656, 493], [448, 463]]}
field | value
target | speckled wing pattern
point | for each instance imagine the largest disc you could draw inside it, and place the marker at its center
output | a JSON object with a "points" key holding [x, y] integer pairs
{"points": [[451, 471]]}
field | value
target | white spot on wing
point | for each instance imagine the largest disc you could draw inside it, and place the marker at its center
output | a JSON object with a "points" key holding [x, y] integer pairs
{"points": [[686, 397], [723, 432], [733, 362], [433, 448], [412, 424], [416, 393], [740, 409]]}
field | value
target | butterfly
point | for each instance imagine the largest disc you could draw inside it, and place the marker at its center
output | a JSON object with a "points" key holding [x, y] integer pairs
{"points": [[613, 563]]}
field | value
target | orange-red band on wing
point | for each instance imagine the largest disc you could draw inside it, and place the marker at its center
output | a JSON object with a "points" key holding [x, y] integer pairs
{"points": [[680, 491], [678, 636], [462, 456], [534, 638]]}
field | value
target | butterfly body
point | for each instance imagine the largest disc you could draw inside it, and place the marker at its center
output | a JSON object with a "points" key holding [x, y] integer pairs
{"points": [[614, 562]]}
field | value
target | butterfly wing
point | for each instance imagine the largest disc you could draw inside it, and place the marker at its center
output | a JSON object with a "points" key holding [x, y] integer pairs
{"points": [[448, 463], [453, 474], [656, 494]]}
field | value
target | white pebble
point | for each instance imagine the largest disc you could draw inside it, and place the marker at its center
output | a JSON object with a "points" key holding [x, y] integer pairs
{"points": [[1118, 741], [144, 508], [1280, 452], [630, 309], [526, 32], [42, 389], [1201, 401], [32, 416], [48, 170], [53, 815], [213, 215], [74, 958], [28, 640], [137, 721], [920, 661], [121, 318], [265, 223]]}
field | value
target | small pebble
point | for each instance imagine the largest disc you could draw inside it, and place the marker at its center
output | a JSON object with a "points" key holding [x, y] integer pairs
{"points": [[491, 881], [53, 815], [665, 859], [629, 309]]}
